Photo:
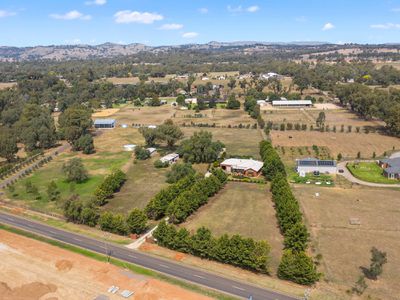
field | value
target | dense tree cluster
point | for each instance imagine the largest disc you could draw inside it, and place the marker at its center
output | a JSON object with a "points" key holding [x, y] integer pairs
{"points": [[235, 250], [167, 132], [109, 186], [200, 148], [372, 103]]}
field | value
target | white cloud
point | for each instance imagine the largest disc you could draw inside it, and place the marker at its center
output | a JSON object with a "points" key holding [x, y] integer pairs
{"points": [[397, 9], [203, 10], [127, 16], [5, 13], [171, 26], [253, 8], [96, 2], [190, 35], [328, 26], [386, 26], [240, 9], [72, 15]]}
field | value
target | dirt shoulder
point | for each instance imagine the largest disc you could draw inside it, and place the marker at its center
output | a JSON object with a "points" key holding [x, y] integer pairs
{"points": [[34, 270]]}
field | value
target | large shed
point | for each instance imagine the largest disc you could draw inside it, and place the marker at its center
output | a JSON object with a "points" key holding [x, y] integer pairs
{"points": [[104, 123], [292, 103]]}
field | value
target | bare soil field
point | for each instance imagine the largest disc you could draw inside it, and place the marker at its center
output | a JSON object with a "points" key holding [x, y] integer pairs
{"points": [[221, 117], [32, 270], [279, 116], [245, 209], [237, 141], [344, 247], [348, 144]]}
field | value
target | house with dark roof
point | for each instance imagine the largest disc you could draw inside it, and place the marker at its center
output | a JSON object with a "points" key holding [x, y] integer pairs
{"points": [[391, 167], [314, 165]]}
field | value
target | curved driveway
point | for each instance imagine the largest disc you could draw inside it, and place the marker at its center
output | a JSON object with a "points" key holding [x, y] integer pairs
{"points": [[347, 174]]}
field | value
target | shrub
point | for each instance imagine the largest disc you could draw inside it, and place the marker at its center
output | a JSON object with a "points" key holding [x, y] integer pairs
{"points": [[136, 221], [159, 164], [109, 186], [297, 267], [141, 153]]}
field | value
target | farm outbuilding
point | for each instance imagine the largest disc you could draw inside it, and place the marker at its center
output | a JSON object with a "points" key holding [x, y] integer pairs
{"points": [[313, 165], [292, 103], [170, 158], [104, 123]]}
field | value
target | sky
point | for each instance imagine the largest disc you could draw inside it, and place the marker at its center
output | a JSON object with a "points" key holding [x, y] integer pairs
{"points": [[172, 22]]}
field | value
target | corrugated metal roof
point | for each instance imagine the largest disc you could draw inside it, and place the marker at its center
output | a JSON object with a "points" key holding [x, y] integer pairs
{"points": [[291, 102], [243, 164], [104, 121]]}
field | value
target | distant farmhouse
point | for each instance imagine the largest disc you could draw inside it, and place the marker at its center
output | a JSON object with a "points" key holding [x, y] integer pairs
{"points": [[292, 103], [316, 166], [391, 167], [170, 158], [104, 123], [246, 167]]}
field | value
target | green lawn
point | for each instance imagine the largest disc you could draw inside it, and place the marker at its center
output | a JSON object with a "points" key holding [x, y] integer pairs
{"points": [[143, 182], [369, 171], [98, 166]]}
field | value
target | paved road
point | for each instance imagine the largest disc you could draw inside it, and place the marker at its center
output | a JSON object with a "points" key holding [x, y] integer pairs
{"points": [[241, 290], [346, 173]]}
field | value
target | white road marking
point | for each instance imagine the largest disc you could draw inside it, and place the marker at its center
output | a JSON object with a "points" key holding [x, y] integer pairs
{"points": [[202, 277], [164, 266], [77, 240], [132, 256], [239, 288]]}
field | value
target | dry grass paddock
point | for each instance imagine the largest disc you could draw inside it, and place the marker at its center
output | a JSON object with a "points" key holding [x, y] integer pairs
{"points": [[348, 144], [237, 141], [346, 247], [221, 117], [105, 112], [245, 209], [113, 140], [143, 115]]}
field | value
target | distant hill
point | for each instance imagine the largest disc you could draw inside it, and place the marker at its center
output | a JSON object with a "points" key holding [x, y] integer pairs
{"points": [[110, 50]]}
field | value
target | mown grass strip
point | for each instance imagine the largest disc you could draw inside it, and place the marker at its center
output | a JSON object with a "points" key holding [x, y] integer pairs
{"points": [[119, 263]]}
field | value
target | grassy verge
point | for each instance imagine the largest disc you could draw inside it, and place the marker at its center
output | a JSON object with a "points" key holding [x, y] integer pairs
{"points": [[370, 172], [119, 263]]}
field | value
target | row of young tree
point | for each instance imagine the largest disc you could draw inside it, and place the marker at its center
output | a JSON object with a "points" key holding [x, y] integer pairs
{"points": [[180, 208], [88, 213], [111, 184], [295, 264], [235, 250], [182, 198]]}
